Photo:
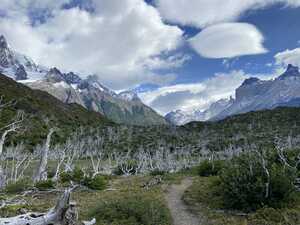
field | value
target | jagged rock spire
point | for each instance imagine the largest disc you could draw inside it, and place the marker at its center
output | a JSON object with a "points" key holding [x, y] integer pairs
{"points": [[3, 42]]}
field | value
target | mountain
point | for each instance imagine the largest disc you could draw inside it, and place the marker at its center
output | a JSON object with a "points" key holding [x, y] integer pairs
{"points": [[125, 107], [180, 117], [16, 65], [255, 94], [40, 107]]}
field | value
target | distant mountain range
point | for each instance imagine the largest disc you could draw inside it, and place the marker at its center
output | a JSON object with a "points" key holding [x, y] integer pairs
{"points": [[253, 95], [125, 107]]}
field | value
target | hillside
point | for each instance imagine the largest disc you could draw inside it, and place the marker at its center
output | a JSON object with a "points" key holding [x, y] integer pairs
{"points": [[39, 107], [260, 128]]}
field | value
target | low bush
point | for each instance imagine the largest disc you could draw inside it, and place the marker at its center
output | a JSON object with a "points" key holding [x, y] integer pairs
{"points": [[65, 177], [243, 183], [157, 173], [18, 186], [45, 185], [210, 168], [76, 175], [96, 183], [132, 209]]}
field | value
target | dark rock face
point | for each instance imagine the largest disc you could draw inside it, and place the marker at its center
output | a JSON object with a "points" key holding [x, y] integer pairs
{"points": [[251, 80], [292, 71], [21, 73], [72, 78], [54, 75], [256, 94], [6, 57], [3, 42]]}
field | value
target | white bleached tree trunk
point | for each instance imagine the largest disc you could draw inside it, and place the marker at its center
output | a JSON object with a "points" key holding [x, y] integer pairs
{"points": [[41, 173], [10, 128], [63, 213]]}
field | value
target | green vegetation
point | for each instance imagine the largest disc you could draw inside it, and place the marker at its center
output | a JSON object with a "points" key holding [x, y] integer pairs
{"points": [[245, 184], [210, 168], [202, 198], [96, 183], [132, 209], [45, 185], [18, 186], [126, 203], [254, 188]]}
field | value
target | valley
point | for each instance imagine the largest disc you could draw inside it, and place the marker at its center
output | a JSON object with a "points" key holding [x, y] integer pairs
{"points": [[149, 112]]}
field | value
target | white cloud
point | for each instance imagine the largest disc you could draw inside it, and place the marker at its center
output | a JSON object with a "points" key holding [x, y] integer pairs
{"points": [[194, 96], [228, 40], [288, 57], [202, 13], [199, 95], [116, 41]]}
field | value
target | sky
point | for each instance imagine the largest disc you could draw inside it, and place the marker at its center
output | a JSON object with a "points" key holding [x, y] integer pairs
{"points": [[177, 54]]}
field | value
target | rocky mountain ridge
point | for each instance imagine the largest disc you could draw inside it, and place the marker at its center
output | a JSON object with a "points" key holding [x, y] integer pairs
{"points": [[253, 95], [125, 107]]}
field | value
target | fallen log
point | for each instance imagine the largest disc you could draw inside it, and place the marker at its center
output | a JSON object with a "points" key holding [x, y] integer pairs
{"points": [[64, 213]]}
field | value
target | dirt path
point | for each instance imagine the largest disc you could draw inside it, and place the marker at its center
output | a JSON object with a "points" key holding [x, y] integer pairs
{"points": [[179, 211]]}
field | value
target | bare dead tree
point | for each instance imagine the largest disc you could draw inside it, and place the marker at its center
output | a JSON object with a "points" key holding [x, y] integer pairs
{"points": [[41, 173], [14, 126], [20, 160], [266, 171], [63, 213]]}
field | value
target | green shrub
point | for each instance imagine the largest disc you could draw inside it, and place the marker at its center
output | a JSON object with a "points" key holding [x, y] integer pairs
{"points": [[132, 209], [18, 187], [157, 172], [210, 168], [96, 183], [45, 185], [76, 175], [65, 177], [243, 183]]}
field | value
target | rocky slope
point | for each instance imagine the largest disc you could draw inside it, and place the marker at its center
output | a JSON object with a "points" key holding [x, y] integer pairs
{"points": [[125, 107], [253, 95], [180, 117]]}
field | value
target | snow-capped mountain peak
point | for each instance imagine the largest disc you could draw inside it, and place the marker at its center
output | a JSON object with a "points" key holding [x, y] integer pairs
{"points": [[180, 117], [16, 65]]}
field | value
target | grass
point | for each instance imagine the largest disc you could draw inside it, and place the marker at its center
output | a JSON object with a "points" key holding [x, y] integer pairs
{"points": [[202, 199], [145, 206]]}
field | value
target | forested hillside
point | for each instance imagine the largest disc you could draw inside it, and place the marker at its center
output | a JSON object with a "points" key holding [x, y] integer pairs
{"points": [[42, 111]]}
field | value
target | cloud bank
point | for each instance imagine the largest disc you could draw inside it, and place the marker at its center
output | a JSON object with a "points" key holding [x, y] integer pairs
{"points": [[116, 39], [198, 96], [288, 57], [202, 13], [228, 40]]}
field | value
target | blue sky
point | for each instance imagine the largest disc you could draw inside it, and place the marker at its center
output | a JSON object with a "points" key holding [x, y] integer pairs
{"points": [[182, 54], [280, 27]]}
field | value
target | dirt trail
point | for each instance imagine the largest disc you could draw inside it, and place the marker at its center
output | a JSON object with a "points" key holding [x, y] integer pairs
{"points": [[180, 213]]}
